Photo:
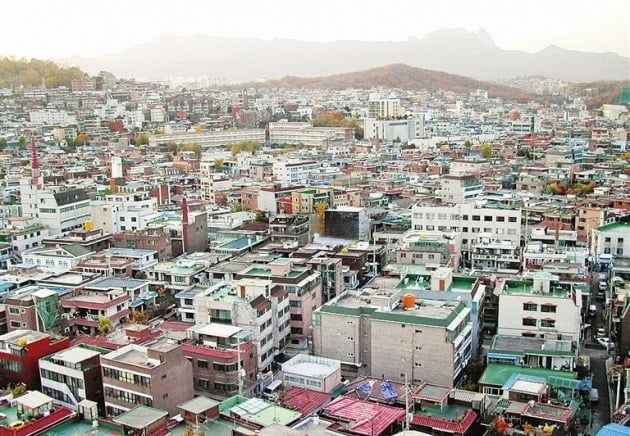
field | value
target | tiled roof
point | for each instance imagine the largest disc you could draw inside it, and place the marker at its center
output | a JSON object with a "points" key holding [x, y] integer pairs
{"points": [[305, 401], [365, 418], [445, 424]]}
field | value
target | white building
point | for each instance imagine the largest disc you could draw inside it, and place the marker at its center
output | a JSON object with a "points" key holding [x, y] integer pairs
{"points": [[52, 117], [294, 171], [612, 239], [68, 375], [394, 130], [312, 372], [252, 305], [459, 188], [58, 208], [60, 258], [307, 135], [124, 212], [539, 306], [210, 138]]}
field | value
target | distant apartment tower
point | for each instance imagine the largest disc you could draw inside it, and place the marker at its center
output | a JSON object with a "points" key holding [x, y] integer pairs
{"points": [[384, 108]]}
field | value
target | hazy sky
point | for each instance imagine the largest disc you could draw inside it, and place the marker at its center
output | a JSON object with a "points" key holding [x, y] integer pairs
{"points": [[54, 29]]}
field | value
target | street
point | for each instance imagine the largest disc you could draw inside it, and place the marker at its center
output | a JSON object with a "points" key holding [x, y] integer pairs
{"points": [[598, 356]]}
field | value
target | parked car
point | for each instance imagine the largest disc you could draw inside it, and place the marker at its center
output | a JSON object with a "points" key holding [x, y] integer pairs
{"points": [[592, 310], [593, 395], [601, 332], [603, 286], [605, 342]]}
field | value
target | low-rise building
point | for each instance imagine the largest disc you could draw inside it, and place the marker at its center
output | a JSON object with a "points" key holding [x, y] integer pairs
{"points": [[155, 376], [73, 375]]}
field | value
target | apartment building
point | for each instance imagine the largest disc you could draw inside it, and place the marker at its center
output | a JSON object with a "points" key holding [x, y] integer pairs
{"points": [[223, 358], [347, 222], [293, 171], [304, 287], [157, 376], [539, 306], [73, 375], [292, 230], [493, 255], [384, 107], [253, 304], [612, 239], [125, 212], [378, 335], [20, 351], [23, 234], [468, 220], [81, 310], [58, 208], [32, 307], [155, 237], [459, 188], [403, 131], [427, 247]]}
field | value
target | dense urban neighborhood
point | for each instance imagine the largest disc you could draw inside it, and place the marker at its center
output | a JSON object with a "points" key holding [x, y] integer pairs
{"points": [[201, 258]]}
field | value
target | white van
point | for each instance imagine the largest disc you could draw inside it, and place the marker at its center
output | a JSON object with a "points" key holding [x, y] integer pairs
{"points": [[272, 389], [593, 395]]}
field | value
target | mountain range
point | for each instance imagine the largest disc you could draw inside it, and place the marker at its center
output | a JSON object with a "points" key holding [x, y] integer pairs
{"points": [[454, 51], [403, 77]]}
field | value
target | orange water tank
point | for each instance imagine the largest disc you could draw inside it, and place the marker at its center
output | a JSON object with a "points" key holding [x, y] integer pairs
{"points": [[409, 301]]}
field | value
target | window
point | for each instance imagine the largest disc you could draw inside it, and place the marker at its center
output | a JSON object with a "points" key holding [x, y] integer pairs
{"points": [[528, 335], [296, 317], [487, 218], [530, 307], [530, 322], [500, 219], [476, 217], [202, 364], [548, 323], [512, 219], [549, 308]]}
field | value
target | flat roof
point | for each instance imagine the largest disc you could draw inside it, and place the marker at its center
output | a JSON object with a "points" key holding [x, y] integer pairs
{"points": [[218, 330], [140, 417], [34, 399], [498, 374], [615, 227], [262, 412], [199, 405], [76, 354]]}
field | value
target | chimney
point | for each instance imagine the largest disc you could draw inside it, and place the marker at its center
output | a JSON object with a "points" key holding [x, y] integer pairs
{"points": [[184, 225]]}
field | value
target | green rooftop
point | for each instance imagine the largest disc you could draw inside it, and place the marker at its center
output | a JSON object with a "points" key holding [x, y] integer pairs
{"points": [[615, 227], [497, 374], [258, 411], [624, 96]]}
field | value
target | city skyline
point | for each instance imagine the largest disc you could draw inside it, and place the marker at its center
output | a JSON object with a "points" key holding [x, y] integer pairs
{"points": [[74, 30]]}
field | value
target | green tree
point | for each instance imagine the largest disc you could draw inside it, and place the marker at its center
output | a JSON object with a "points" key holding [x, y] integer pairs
{"points": [[485, 150], [143, 139], [468, 143], [218, 164], [104, 325], [22, 142], [3, 144]]}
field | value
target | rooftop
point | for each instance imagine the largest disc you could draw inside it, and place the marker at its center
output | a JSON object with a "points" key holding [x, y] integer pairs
{"points": [[616, 227], [363, 418], [259, 411], [198, 405], [140, 417], [498, 374]]}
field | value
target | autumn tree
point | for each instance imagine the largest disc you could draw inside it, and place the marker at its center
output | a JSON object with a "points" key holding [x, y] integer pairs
{"points": [[81, 139], [139, 317], [218, 164], [339, 119], [468, 143], [250, 146], [485, 150], [192, 147]]}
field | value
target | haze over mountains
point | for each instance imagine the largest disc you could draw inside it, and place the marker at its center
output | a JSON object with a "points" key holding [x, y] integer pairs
{"points": [[455, 51]]}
